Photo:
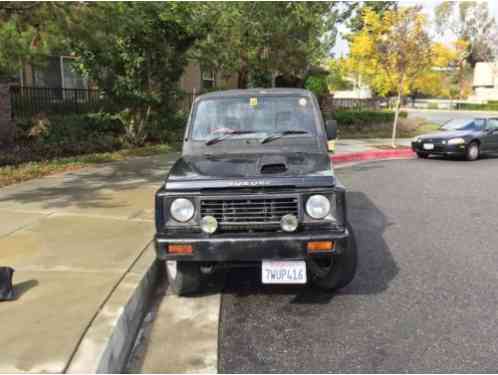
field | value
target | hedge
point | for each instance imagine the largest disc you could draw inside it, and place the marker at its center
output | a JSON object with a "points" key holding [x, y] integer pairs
{"points": [[491, 105], [364, 117]]}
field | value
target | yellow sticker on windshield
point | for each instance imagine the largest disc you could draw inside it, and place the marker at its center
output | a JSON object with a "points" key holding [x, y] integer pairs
{"points": [[253, 102]]}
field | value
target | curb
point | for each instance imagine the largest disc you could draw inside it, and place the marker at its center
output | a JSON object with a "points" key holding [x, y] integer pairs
{"points": [[372, 155], [108, 341]]}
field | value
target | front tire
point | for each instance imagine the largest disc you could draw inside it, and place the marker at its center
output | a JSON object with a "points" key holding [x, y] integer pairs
{"points": [[184, 278], [336, 271], [472, 152], [422, 155]]}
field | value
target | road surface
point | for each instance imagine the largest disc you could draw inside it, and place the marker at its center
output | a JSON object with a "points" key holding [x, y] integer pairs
{"points": [[424, 299]]}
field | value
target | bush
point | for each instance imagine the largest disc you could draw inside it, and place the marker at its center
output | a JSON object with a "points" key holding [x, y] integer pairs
{"points": [[44, 138], [364, 118], [492, 105], [167, 128], [317, 85]]}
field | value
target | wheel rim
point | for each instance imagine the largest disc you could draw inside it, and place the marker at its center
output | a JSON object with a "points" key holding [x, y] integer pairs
{"points": [[473, 151], [171, 267]]}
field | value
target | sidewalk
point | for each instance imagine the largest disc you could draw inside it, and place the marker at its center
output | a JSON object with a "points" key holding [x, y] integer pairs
{"points": [[359, 145], [71, 239]]}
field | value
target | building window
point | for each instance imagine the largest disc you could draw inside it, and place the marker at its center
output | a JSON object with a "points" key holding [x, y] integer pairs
{"points": [[58, 72], [208, 78]]}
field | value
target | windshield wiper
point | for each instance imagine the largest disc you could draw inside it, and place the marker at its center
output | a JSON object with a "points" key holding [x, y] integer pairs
{"points": [[278, 135], [226, 135]]}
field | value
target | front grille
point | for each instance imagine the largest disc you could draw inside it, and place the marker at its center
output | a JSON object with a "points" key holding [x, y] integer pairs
{"points": [[251, 211]]}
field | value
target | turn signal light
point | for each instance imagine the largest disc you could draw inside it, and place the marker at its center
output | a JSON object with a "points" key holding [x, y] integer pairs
{"points": [[320, 246], [180, 249]]}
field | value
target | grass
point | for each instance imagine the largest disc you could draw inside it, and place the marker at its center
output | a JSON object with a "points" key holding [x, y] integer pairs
{"points": [[406, 129], [14, 174]]}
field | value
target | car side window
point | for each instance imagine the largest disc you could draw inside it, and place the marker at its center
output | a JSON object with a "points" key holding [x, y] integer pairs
{"points": [[492, 124]]}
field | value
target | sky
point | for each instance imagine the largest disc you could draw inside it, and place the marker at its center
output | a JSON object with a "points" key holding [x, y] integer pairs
{"points": [[341, 46]]}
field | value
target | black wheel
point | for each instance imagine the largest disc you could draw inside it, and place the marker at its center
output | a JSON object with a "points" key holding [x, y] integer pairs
{"points": [[422, 155], [335, 271], [472, 152], [183, 277]]}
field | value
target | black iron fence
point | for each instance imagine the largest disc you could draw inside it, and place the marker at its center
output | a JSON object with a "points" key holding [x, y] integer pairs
{"points": [[27, 102]]}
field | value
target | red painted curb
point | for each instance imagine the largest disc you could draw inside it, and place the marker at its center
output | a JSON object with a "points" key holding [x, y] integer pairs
{"points": [[372, 155]]}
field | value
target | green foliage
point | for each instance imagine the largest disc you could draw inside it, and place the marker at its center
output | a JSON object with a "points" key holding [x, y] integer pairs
{"points": [[28, 32], [491, 105], [317, 84], [253, 38], [364, 118], [337, 76], [136, 53], [355, 10]]}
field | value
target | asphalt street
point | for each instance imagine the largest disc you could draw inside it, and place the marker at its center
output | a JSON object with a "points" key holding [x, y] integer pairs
{"points": [[424, 299]]}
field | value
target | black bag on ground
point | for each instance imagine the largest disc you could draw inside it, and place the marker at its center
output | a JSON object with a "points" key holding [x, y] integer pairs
{"points": [[6, 290]]}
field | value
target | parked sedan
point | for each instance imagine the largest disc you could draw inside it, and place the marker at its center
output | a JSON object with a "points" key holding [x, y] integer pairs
{"points": [[469, 138]]}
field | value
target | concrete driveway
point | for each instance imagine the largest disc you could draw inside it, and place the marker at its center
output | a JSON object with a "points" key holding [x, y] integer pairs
{"points": [[71, 238]]}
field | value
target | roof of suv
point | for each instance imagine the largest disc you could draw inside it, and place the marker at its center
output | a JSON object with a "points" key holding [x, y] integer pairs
{"points": [[255, 92]]}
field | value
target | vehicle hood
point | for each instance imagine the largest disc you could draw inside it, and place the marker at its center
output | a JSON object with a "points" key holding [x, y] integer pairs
{"points": [[447, 134], [250, 170]]}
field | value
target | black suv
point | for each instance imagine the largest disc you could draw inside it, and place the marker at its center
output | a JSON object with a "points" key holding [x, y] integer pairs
{"points": [[255, 187]]}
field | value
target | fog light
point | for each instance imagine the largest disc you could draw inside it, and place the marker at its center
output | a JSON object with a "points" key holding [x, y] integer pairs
{"points": [[209, 224], [289, 223]]}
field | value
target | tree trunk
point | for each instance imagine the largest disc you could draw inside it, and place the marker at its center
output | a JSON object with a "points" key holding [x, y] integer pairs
{"points": [[243, 78], [396, 116]]}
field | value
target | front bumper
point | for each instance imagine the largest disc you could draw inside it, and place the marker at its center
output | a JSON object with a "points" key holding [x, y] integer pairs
{"points": [[248, 247], [439, 149]]}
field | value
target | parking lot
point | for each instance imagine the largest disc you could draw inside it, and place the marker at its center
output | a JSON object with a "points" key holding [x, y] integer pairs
{"points": [[424, 298]]}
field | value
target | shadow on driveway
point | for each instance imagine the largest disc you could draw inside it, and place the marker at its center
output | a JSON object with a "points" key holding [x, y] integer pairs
{"points": [[90, 188], [376, 266]]}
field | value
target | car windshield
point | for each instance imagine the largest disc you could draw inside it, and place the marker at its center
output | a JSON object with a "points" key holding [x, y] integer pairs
{"points": [[464, 124], [253, 117]]}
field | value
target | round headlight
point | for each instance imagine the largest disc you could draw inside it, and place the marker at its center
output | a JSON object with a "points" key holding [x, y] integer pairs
{"points": [[182, 210], [317, 206]]}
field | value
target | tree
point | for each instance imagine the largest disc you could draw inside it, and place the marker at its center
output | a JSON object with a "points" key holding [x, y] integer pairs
{"points": [[28, 33], [391, 52], [265, 38], [337, 78], [354, 12], [471, 22], [135, 53]]}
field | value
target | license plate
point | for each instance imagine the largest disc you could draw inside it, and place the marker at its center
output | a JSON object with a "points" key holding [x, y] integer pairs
{"points": [[283, 272], [428, 146]]}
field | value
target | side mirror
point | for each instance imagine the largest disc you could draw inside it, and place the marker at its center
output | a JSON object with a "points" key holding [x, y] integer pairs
{"points": [[331, 129]]}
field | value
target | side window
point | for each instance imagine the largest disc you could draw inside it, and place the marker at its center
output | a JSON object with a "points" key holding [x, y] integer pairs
{"points": [[492, 124]]}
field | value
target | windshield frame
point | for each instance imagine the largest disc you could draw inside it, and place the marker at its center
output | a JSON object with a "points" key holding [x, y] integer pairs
{"points": [[317, 119]]}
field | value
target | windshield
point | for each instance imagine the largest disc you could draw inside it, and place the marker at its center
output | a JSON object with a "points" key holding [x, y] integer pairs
{"points": [[465, 124], [253, 117]]}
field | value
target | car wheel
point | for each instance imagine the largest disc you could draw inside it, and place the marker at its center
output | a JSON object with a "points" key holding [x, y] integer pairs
{"points": [[422, 155], [183, 277], [335, 271], [472, 151]]}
